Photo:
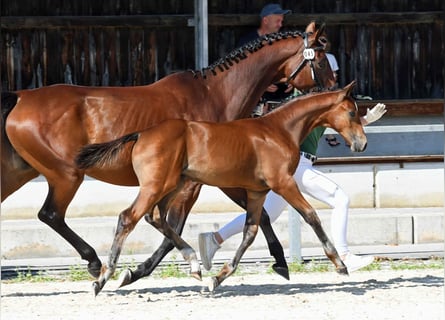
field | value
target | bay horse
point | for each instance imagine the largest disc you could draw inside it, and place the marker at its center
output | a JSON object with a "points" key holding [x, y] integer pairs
{"points": [[257, 155], [43, 129]]}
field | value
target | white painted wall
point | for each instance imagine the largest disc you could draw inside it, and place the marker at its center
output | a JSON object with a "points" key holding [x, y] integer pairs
{"points": [[380, 185]]}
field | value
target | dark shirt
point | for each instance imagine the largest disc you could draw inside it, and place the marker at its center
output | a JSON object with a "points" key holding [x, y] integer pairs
{"points": [[278, 95], [250, 36], [310, 144]]}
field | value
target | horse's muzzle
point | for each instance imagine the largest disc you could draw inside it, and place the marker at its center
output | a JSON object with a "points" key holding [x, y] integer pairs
{"points": [[359, 146]]}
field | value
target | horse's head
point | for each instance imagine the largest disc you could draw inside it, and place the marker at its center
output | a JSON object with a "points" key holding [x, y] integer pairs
{"points": [[310, 67], [344, 118]]}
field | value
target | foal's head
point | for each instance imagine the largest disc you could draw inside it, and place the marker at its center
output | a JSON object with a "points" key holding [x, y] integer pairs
{"points": [[344, 118]]}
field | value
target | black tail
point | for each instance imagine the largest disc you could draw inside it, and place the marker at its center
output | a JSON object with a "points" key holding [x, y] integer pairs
{"points": [[9, 100], [99, 154]]}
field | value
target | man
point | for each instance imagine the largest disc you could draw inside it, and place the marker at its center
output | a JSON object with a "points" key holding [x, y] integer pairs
{"points": [[272, 16]]}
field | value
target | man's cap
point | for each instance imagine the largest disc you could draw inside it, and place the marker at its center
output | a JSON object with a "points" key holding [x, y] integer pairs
{"points": [[273, 8]]}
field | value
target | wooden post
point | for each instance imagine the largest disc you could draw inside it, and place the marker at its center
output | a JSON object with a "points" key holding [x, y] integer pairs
{"points": [[201, 34], [294, 235]]}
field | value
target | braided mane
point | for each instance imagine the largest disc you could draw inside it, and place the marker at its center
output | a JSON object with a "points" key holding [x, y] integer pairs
{"points": [[242, 52]]}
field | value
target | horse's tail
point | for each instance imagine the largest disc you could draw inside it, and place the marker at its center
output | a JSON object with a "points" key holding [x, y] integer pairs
{"points": [[101, 154], [9, 100]]}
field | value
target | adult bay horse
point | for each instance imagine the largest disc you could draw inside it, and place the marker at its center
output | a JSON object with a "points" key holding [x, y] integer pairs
{"points": [[257, 155], [45, 127]]}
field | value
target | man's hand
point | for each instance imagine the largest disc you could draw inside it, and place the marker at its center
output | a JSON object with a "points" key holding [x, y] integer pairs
{"points": [[375, 113], [272, 88]]}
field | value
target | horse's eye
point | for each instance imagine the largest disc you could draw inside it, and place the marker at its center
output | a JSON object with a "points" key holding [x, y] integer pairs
{"points": [[352, 114], [323, 40]]}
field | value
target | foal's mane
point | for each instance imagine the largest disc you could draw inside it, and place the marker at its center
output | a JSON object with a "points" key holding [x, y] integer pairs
{"points": [[304, 100], [242, 52]]}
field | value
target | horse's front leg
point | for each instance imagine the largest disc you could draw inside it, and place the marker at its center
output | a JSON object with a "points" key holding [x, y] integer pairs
{"points": [[178, 211], [293, 196], [280, 266], [254, 207]]}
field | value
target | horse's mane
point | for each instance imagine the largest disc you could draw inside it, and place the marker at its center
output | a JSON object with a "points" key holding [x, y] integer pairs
{"points": [[241, 53]]}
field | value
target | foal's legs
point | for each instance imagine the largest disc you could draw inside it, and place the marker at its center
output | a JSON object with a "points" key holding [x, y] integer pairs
{"points": [[275, 248], [144, 204], [255, 203], [293, 196], [177, 214]]}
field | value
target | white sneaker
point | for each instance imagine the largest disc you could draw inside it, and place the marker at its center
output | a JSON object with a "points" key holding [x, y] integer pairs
{"points": [[207, 248], [353, 262]]}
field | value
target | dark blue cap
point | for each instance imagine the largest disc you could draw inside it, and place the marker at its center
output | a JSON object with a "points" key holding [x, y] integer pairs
{"points": [[273, 8]]}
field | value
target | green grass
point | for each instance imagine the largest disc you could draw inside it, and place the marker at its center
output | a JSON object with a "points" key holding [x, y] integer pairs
{"points": [[175, 270]]}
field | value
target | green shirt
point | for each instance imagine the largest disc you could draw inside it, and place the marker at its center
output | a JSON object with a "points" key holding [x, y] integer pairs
{"points": [[310, 144]]}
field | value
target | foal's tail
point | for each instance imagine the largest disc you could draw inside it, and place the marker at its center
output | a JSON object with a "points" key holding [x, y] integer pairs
{"points": [[101, 154]]}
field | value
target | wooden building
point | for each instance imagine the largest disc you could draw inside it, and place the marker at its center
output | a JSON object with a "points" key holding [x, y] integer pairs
{"points": [[394, 49]]}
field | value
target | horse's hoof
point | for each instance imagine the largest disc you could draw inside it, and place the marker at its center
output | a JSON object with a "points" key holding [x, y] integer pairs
{"points": [[195, 270], [213, 283], [125, 278], [343, 270], [282, 271], [197, 275], [94, 268], [96, 288]]}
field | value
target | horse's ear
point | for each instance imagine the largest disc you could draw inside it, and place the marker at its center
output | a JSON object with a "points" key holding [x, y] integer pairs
{"points": [[345, 92], [320, 36], [310, 27], [348, 89]]}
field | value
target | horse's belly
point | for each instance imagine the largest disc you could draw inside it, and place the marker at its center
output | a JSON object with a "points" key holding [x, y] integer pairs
{"points": [[225, 177], [122, 176]]}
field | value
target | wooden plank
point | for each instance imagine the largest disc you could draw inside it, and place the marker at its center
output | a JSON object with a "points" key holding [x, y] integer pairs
{"points": [[379, 159], [406, 107], [182, 20]]}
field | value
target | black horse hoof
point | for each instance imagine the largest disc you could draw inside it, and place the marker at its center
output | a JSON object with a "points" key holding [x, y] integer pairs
{"points": [[282, 271], [343, 271], [94, 268]]}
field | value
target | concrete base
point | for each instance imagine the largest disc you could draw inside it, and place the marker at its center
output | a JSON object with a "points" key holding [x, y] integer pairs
{"points": [[30, 238]]}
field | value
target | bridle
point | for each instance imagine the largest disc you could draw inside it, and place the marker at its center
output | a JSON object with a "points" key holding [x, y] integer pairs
{"points": [[308, 56]]}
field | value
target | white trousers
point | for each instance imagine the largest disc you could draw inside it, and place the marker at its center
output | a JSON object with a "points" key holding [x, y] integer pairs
{"points": [[314, 183]]}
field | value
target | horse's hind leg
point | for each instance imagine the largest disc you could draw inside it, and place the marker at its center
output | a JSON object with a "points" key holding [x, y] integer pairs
{"points": [[53, 214], [160, 223], [254, 206], [275, 247], [178, 212]]}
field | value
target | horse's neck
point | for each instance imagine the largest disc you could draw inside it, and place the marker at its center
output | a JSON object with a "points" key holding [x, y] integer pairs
{"points": [[242, 85], [300, 117]]}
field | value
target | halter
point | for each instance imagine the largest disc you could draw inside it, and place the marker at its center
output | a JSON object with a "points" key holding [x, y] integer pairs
{"points": [[308, 55]]}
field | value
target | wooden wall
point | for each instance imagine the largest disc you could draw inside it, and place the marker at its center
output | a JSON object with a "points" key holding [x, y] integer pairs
{"points": [[394, 49]]}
